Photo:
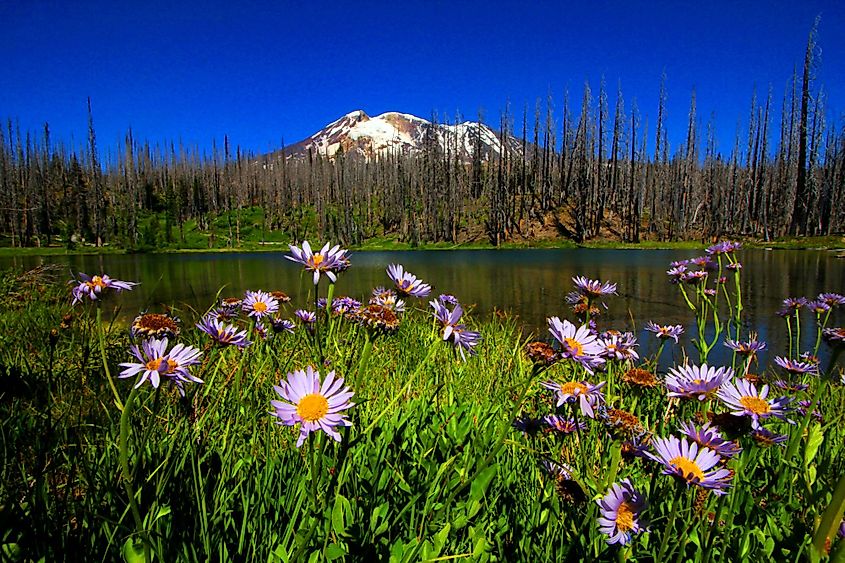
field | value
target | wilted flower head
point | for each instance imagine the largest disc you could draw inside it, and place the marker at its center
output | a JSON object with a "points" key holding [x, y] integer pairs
{"points": [[744, 400], [664, 332], [622, 422], [593, 288], [312, 405], [766, 438], [696, 382], [576, 343], [640, 378], [280, 296], [377, 318], [796, 367], [407, 283], [834, 336], [710, 437], [155, 325], [330, 260], [540, 353], [621, 509], [155, 361], [587, 395], [691, 463], [95, 287], [565, 484], [226, 335], [259, 304]]}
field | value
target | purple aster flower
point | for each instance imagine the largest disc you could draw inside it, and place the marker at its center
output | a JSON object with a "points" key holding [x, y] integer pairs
{"points": [[818, 307], [703, 262], [528, 425], [709, 437], [677, 272], [577, 343], [834, 336], [343, 305], [804, 405], [679, 264], [791, 305], [587, 395], [832, 299], [557, 470], [463, 340], [329, 260], [791, 387], [744, 400], [734, 266], [259, 304], [447, 299], [407, 283], [155, 362], [766, 438], [231, 305], [593, 288], [282, 325], [724, 247], [308, 317], [664, 332], [694, 276], [619, 346], [564, 425], [387, 298], [312, 405], [621, 510], [226, 335], [748, 349], [690, 463], [696, 382], [796, 367], [95, 287]]}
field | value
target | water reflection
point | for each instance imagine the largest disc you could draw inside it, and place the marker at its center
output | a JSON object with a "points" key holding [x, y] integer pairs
{"points": [[531, 284]]}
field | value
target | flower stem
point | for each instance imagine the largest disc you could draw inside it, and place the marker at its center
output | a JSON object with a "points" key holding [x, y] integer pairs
{"points": [[670, 528], [102, 343], [123, 447]]}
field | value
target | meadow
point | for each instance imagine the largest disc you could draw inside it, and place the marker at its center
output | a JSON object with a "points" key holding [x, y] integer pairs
{"points": [[397, 426]]}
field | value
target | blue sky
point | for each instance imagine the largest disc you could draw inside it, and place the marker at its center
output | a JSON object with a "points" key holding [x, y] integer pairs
{"points": [[263, 72]]}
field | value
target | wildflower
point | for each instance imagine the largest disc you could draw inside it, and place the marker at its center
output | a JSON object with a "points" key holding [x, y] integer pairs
{"points": [[94, 287], [226, 335], [696, 382], [329, 260], [677, 272], [564, 425], [703, 262], [576, 343], [746, 349], [387, 298], [407, 283], [690, 463], [664, 332], [155, 362], [787, 385], [308, 317], [280, 296], [619, 346], [344, 305], [528, 425], [818, 307], [709, 437], [540, 353], [710, 292], [724, 247], [593, 288], [377, 317], [766, 438], [640, 378], [312, 405], [231, 302], [832, 299], [796, 367], [791, 305], [155, 325], [259, 304], [804, 405], [834, 336], [282, 325], [463, 340], [636, 446], [622, 421], [743, 397], [734, 267], [694, 276], [587, 395], [447, 299], [566, 486], [620, 509]]}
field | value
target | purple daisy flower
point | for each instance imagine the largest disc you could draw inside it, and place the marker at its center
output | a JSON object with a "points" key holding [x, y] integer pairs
{"points": [[677, 272], [818, 307], [312, 405], [308, 317], [282, 325], [588, 396], [694, 276], [226, 335], [791, 305], [387, 298], [619, 346], [724, 247], [766, 438], [343, 305], [94, 287], [742, 396], [564, 425], [789, 386], [557, 470], [577, 343], [709, 292], [664, 332], [803, 405], [748, 349], [832, 299], [330, 260], [734, 266], [696, 382], [834, 336], [447, 299], [463, 340], [709, 437], [796, 367], [620, 509], [691, 463], [155, 362], [407, 283], [259, 304], [593, 288], [703, 263]]}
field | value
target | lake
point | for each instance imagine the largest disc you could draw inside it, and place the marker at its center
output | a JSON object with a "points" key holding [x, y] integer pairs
{"points": [[531, 284]]}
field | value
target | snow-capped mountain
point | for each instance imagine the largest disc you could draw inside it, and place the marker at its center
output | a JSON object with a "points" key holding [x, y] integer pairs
{"points": [[358, 134]]}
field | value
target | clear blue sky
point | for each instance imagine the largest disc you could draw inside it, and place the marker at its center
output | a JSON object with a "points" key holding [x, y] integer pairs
{"points": [[281, 70]]}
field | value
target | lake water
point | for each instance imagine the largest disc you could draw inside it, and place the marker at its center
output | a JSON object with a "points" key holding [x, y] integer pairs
{"points": [[529, 283]]}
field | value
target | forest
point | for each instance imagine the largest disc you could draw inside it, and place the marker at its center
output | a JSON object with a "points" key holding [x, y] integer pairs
{"points": [[581, 170]]}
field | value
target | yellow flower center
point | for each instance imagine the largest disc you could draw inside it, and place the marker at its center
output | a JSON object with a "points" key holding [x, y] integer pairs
{"points": [[698, 381], [316, 260], [624, 517], [574, 346], [687, 466], [154, 365], [171, 366], [97, 281], [312, 408], [573, 388], [259, 306], [755, 404]]}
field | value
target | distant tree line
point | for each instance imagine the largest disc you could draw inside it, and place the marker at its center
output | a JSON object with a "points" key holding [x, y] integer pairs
{"points": [[589, 171]]}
